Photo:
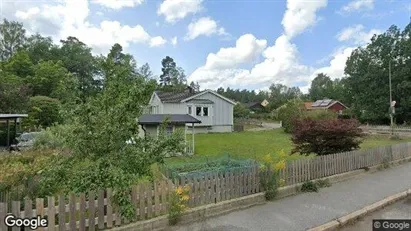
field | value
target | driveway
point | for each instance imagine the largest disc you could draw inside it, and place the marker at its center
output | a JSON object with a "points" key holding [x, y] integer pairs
{"points": [[266, 126], [309, 210]]}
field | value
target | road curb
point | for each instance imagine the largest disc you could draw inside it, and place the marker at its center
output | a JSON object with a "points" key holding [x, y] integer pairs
{"points": [[351, 217]]}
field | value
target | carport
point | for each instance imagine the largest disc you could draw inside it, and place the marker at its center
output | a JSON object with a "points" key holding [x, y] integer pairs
{"points": [[16, 118]]}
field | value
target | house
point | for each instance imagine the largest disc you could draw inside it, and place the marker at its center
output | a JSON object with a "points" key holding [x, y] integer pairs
{"points": [[326, 104], [257, 106], [213, 111]]}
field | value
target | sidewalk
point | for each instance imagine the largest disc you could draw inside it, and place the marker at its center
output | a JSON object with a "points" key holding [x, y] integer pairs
{"points": [[309, 210]]}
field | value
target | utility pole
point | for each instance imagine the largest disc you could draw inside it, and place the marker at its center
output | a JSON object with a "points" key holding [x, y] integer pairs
{"points": [[391, 106]]}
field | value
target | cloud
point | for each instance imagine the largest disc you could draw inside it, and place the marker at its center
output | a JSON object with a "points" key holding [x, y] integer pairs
{"points": [[357, 34], [358, 5], [174, 41], [247, 48], [175, 10], [281, 60], [300, 15], [336, 67], [204, 26], [157, 41], [117, 4], [70, 18]]}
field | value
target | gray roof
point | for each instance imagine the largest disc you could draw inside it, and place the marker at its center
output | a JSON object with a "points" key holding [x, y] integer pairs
{"points": [[206, 101], [251, 104], [12, 116], [174, 97], [171, 118]]}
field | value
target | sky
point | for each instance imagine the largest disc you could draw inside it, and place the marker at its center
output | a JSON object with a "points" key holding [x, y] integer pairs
{"points": [[246, 44]]}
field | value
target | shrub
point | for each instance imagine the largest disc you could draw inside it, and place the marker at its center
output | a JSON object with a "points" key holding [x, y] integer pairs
{"points": [[323, 183], [178, 204], [325, 136], [321, 114], [241, 111], [269, 177], [43, 111], [292, 110], [53, 137], [309, 186]]}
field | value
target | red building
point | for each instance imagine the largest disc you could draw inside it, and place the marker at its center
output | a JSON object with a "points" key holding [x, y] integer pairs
{"points": [[326, 104]]}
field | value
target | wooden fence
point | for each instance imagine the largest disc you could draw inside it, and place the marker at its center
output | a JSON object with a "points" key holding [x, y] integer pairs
{"points": [[386, 129], [305, 169], [79, 212]]}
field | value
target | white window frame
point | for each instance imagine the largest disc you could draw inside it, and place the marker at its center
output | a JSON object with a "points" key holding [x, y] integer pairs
{"points": [[190, 109]]}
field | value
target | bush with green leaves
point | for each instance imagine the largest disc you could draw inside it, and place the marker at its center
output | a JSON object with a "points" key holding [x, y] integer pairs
{"points": [[292, 110], [43, 112], [99, 155], [53, 137]]}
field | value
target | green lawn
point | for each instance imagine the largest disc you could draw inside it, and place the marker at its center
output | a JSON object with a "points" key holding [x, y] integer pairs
{"points": [[255, 145]]}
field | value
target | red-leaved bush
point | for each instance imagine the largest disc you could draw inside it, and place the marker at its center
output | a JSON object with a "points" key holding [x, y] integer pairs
{"points": [[325, 136]]}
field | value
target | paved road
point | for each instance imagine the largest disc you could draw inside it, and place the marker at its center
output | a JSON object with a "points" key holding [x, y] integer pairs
{"points": [[399, 210], [309, 210]]}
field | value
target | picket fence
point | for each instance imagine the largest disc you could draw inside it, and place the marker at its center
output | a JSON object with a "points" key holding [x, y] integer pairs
{"points": [[78, 212], [305, 169]]}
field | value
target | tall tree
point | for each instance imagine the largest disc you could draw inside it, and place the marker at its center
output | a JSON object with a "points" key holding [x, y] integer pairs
{"points": [[41, 48], [169, 70], [12, 37], [367, 71], [145, 71], [79, 61], [321, 87]]}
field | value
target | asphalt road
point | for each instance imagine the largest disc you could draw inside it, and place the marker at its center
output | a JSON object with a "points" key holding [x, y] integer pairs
{"points": [[399, 210], [309, 210]]}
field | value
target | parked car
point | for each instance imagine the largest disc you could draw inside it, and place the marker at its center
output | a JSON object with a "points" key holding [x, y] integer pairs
{"points": [[25, 141]]}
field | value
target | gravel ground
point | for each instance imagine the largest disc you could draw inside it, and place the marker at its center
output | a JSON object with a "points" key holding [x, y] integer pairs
{"points": [[309, 210]]}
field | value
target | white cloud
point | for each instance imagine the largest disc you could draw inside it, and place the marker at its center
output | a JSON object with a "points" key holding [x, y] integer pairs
{"points": [[300, 15], [356, 34], [247, 48], [204, 26], [175, 10], [157, 41], [118, 4], [336, 67], [174, 41], [70, 18], [281, 60], [358, 5]]}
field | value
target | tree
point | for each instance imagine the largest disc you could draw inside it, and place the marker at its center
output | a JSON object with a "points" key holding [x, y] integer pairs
{"points": [[326, 136], [41, 48], [78, 60], [20, 64], [145, 71], [12, 37], [100, 157], [43, 111], [169, 70], [321, 87], [14, 94], [280, 94], [195, 86], [51, 79], [287, 113], [241, 111]]}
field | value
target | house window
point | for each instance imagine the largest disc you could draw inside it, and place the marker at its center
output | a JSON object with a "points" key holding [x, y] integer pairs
{"points": [[189, 110], [198, 111], [169, 130], [205, 111]]}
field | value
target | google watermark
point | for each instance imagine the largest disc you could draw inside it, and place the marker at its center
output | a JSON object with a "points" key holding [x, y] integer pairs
{"points": [[391, 225], [32, 223]]}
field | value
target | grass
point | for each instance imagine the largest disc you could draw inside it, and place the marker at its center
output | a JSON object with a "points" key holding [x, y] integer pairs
{"points": [[254, 145]]}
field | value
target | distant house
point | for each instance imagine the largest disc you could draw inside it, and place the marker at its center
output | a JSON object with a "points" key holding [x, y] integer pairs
{"points": [[257, 106], [213, 111], [325, 104]]}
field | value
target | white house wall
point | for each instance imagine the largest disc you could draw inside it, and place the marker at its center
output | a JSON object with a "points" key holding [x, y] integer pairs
{"points": [[155, 101], [222, 110], [174, 108]]}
